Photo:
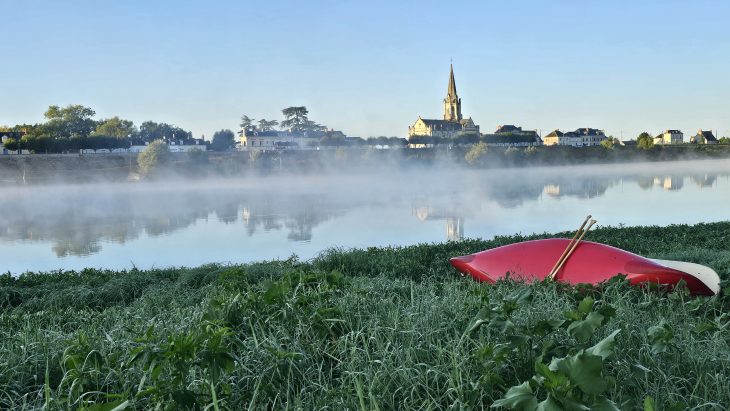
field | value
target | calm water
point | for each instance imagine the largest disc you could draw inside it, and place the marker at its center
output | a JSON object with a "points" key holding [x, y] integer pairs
{"points": [[186, 224]]}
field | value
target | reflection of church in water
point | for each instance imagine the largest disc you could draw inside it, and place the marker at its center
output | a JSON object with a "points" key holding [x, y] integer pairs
{"points": [[454, 222]]}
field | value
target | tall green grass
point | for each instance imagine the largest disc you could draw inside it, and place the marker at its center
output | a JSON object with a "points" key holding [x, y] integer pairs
{"points": [[379, 328]]}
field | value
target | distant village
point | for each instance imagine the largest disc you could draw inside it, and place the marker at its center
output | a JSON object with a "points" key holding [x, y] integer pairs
{"points": [[298, 132], [454, 128]]}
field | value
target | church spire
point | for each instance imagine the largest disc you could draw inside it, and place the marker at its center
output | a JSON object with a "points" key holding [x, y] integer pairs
{"points": [[452, 102], [452, 85]]}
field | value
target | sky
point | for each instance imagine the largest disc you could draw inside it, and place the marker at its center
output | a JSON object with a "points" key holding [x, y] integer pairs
{"points": [[371, 68]]}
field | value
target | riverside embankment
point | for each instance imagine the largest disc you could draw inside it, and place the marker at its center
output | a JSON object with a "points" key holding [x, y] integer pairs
{"points": [[376, 328]]}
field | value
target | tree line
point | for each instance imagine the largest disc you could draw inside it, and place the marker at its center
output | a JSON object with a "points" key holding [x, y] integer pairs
{"points": [[296, 120], [73, 128]]}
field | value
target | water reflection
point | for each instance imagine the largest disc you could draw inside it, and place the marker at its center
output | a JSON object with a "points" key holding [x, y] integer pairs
{"points": [[80, 221]]}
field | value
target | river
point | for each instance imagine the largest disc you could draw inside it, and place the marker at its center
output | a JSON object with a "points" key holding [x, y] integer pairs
{"points": [[189, 223]]}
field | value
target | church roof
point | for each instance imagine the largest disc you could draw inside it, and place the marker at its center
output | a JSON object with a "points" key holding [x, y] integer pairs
{"points": [[441, 124]]}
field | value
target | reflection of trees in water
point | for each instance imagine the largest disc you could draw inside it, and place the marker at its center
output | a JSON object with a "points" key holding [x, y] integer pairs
{"points": [[513, 192], [704, 180], [78, 223], [227, 212], [299, 215], [79, 220], [67, 248], [579, 187], [645, 182]]}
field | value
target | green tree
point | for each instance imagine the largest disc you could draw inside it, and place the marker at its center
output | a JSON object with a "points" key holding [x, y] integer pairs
{"points": [[295, 118], [724, 140], [72, 120], [645, 141], [223, 140], [151, 131], [116, 127], [11, 144], [608, 143], [476, 153], [246, 122], [155, 155], [266, 125]]}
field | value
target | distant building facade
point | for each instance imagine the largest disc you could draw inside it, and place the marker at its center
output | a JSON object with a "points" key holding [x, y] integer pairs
{"points": [[175, 146], [252, 139], [512, 136], [703, 137], [453, 123], [582, 137], [7, 135], [669, 137]]}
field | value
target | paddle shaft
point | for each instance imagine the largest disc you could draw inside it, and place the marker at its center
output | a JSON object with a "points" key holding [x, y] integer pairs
{"points": [[575, 245], [570, 244]]}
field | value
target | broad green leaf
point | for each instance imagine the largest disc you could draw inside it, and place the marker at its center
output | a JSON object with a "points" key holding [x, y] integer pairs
{"points": [[649, 404], [545, 327], [550, 379], [586, 305], [520, 397], [582, 330], [661, 338], [521, 296], [604, 404], [569, 404], [549, 404], [706, 327], [584, 370], [604, 348]]}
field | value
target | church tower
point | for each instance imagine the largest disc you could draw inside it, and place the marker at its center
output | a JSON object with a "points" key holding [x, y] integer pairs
{"points": [[452, 102]]}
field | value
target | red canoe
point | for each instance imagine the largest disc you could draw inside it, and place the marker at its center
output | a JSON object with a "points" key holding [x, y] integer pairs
{"points": [[590, 263]]}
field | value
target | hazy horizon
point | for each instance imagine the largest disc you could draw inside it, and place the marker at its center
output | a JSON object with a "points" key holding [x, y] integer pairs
{"points": [[371, 69]]}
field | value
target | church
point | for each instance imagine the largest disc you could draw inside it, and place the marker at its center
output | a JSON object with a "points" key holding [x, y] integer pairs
{"points": [[453, 123]]}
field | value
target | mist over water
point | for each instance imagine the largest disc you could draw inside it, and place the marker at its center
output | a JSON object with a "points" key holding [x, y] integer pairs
{"points": [[181, 223]]}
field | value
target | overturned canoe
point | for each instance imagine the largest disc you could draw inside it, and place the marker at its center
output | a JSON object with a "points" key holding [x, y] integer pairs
{"points": [[590, 263]]}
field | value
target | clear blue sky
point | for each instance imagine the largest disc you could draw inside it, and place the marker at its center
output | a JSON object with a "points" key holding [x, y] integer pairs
{"points": [[371, 68]]}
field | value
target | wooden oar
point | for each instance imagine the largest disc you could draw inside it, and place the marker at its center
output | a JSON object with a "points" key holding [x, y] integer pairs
{"points": [[562, 256], [575, 245]]}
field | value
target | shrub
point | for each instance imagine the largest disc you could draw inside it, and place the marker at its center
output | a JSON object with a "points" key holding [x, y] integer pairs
{"points": [[476, 153], [156, 154]]}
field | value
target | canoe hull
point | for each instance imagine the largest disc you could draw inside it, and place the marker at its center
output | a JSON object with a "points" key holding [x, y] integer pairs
{"points": [[590, 263]]}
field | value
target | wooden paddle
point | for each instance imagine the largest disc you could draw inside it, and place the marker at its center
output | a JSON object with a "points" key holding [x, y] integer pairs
{"points": [[571, 247], [562, 256]]}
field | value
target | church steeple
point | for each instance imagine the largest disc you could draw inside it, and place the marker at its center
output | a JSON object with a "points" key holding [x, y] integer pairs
{"points": [[452, 102]]}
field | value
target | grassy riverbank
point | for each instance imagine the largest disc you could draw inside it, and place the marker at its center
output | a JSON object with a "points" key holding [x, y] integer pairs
{"points": [[382, 328]]}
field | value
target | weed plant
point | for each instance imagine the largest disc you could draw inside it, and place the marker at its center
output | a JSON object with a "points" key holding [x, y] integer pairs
{"points": [[370, 329]]}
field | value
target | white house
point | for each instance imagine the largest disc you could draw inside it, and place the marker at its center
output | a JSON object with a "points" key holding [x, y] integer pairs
{"points": [[582, 137], [669, 137], [253, 139]]}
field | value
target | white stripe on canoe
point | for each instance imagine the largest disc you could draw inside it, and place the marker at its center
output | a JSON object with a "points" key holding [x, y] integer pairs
{"points": [[703, 273]]}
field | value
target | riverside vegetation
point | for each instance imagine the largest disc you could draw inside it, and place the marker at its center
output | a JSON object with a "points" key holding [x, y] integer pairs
{"points": [[197, 165], [377, 328]]}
